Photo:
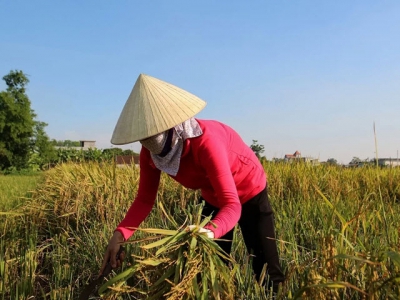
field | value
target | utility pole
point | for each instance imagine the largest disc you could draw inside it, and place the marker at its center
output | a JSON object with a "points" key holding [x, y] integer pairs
{"points": [[376, 147]]}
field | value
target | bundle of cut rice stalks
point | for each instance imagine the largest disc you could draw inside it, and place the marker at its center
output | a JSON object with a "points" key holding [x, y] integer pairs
{"points": [[180, 264]]}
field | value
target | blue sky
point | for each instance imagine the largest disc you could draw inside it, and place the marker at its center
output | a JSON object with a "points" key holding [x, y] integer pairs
{"points": [[311, 76]]}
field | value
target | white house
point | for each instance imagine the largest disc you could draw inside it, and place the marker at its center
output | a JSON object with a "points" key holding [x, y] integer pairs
{"points": [[389, 162]]}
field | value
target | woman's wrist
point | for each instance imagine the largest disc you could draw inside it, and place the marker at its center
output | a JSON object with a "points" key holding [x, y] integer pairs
{"points": [[119, 236]]}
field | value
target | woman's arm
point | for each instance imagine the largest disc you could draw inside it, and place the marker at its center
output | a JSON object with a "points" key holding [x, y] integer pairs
{"points": [[214, 158], [139, 210], [144, 201]]}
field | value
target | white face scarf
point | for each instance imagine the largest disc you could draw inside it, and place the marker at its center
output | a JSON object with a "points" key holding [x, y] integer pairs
{"points": [[155, 144]]}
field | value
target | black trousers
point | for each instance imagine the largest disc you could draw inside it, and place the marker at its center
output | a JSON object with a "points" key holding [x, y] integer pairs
{"points": [[257, 225]]}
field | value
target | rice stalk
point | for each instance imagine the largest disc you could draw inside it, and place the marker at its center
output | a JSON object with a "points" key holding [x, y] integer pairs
{"points": [[182, 265]]}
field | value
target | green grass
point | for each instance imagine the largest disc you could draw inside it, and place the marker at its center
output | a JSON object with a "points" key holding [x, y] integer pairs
{"points": [[337, 229], [14, 189]]}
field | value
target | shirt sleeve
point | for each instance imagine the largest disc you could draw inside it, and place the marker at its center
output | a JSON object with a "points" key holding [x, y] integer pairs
{"points": [[146, 196], [215, 160]]}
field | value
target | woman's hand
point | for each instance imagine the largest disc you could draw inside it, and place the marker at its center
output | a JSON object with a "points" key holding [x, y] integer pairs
{"points": [[112, 250], [202, 230]]}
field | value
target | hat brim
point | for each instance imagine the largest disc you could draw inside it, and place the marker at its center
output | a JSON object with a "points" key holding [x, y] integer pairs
{"points": [[152, 107]]}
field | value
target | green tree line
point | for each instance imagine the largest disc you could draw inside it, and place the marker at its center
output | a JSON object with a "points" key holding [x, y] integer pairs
{"points": [[24, 143]]}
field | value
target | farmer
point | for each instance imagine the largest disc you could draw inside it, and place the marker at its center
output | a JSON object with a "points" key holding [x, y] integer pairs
{"points": [[199, 154]]}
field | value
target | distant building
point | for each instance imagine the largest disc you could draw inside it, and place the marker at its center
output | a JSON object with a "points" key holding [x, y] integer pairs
{"points": [[382, 162], [297, 157], [311, 160], [388, 162], [87, 144], [83, 145]]}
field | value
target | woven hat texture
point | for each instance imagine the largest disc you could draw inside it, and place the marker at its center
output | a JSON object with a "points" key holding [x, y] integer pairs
{"points": [[153, 107]]}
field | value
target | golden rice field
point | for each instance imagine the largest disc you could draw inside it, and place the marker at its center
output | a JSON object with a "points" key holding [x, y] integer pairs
{"points": [[338, 232]]}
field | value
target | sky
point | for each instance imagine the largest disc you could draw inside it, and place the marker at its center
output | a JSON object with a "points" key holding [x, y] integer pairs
{"points": [[307, 76]]}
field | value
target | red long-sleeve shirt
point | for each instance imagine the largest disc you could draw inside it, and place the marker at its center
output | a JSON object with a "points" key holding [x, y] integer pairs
{"points": [[218, 162]]}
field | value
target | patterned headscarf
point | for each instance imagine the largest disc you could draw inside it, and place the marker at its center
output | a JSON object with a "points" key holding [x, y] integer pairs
{"points": [[155, 144]]}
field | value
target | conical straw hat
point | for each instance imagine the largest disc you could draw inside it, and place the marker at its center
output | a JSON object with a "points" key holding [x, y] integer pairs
{"points": [[153, 107]]}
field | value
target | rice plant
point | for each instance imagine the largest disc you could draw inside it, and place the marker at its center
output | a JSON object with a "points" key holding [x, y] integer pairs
{"points": [[337, 231]]}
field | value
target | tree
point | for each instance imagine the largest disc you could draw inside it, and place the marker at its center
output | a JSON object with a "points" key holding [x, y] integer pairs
{"points": [[16, 122], [355, 161], [332, 161], [43, 151], [257, 148], [66, 143], [111, 153], [129, 152]]}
